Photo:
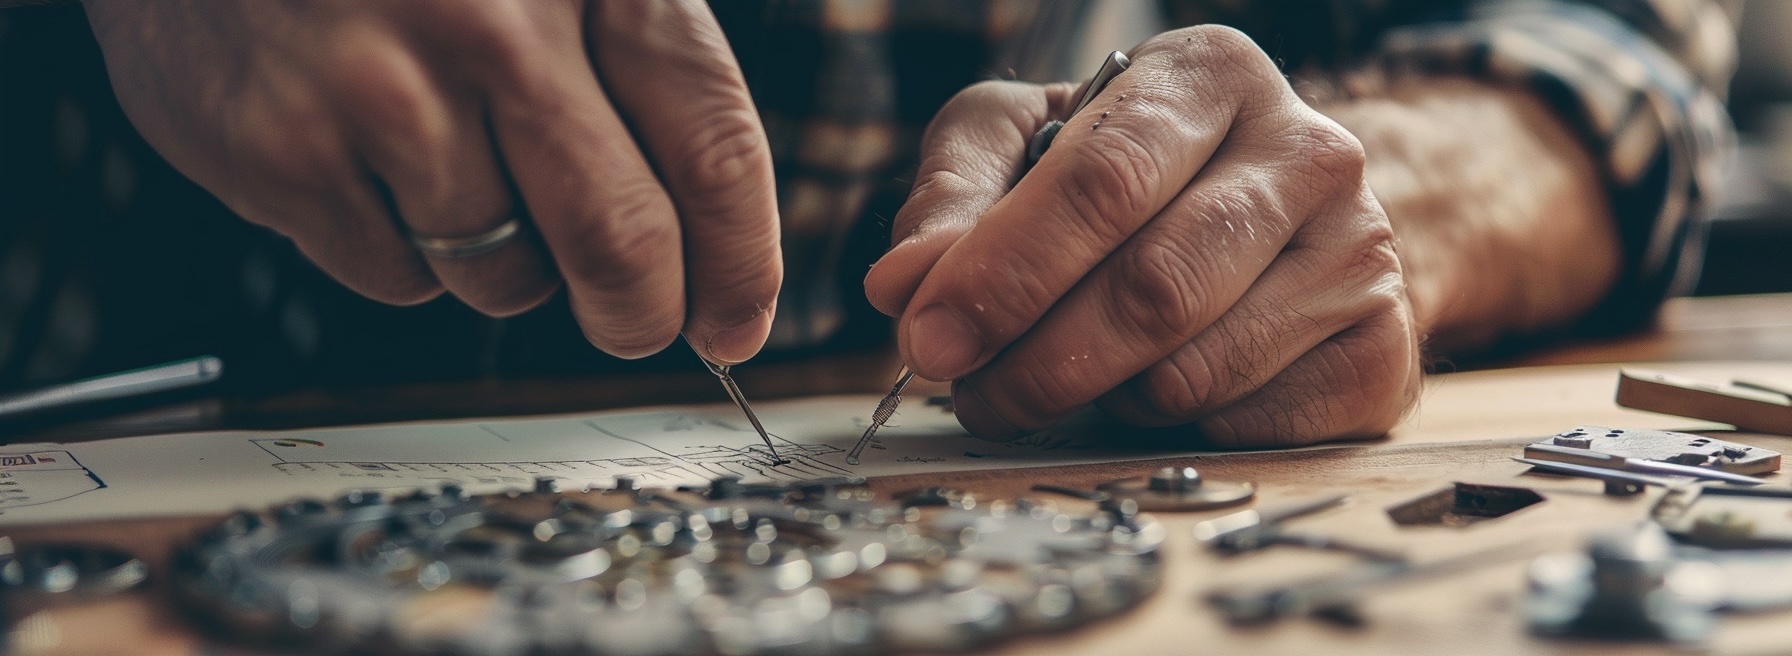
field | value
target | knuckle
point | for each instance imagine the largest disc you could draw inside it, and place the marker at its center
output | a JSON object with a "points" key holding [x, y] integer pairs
{"points": [[1224, 52], [1232, 45], [294, 146], [1036, 396], [384, 89], [1330, 154], [620, 248], [1158, 295], [725, 301], [1371, 262], [1110, 184], [1250, 205], [1247, 354], [1178, 388], [939, 197], [497, 34], [722, 160], [938, 185], [1003, 310]]}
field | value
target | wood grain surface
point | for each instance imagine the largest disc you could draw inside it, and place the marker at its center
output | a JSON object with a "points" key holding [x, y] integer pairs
{"points": [[1464, 430]]}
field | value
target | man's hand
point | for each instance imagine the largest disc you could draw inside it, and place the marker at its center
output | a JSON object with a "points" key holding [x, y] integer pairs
{"points": [[1198, 246], [623, 131]]}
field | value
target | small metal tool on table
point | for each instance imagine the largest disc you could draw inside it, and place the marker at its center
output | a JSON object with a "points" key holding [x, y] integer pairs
{"points": [[724, 372], [1112, 67], [1249, 530]]}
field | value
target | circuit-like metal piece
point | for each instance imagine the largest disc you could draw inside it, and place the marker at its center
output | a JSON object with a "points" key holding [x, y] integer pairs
{"points": [[729, 569]]}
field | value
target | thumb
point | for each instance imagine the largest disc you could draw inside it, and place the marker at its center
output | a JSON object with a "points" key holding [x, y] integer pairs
{"points": [[972, 153]]}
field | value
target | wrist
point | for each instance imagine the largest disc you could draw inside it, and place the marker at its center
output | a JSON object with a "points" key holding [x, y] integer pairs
{"points": [[1500, 214]]}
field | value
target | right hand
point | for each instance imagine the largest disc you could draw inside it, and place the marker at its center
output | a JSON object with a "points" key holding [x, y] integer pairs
{"points": [[623, 131]]}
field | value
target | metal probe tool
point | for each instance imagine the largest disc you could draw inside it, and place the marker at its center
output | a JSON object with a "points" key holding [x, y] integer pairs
{"points": [[723, 373], [1111, 67], [886, 407]]}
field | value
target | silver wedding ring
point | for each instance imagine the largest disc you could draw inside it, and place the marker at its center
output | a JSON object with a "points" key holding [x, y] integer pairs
{"points": [[484, 242]]}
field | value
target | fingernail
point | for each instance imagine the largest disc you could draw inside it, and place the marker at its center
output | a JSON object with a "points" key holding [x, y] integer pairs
{"points": [[735, 344], [942, 345], [977, 417]]}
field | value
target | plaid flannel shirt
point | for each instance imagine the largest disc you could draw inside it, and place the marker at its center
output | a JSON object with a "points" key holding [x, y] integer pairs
{"points": [[846, 86]]}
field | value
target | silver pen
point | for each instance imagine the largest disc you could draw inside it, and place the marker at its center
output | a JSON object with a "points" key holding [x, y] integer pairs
{"points": [[1112, 67]]}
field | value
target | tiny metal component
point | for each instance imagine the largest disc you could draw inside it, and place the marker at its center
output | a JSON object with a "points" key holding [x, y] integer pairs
{"points": [[1242, 531], [724, 373], [1574, 440], [1628, 584], [1332, 595], [817, 567], [1172, 489], [937, 496], [1249, 530], [84, 570], [886, 408], [1727, 518]]}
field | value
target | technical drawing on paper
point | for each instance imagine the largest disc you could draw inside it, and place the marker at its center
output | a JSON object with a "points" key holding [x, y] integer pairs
{"points": [[657, 448], [40, 477], [216, 472], [708, 461]]}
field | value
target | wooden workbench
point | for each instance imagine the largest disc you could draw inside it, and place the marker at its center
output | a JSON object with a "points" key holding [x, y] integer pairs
{"points": [[1464, 430]]}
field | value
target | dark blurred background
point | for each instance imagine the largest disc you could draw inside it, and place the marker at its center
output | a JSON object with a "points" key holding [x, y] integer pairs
{"points": [[1751, 237]]}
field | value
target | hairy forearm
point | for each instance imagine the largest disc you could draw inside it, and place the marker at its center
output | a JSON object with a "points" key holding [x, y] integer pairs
{"points": [[1502, 224]]}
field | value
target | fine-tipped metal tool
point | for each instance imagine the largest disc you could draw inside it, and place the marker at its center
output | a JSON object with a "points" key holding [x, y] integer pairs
{"points": [[723, 373], [886, 408], [1115, 64], [1610, 461]]}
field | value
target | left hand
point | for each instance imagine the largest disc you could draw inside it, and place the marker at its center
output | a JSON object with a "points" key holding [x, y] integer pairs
{"points": [[1209, 254]]}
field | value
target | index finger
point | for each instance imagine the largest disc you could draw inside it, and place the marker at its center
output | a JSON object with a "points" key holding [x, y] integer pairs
{"points": [[1111, 169], [668, 67], [971, 154]]}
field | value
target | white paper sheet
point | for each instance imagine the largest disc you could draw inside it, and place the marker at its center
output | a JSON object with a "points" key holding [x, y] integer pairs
{"points": [[201, 473]]}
